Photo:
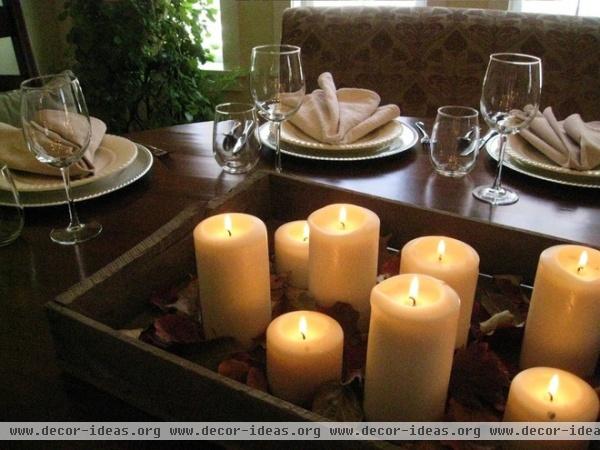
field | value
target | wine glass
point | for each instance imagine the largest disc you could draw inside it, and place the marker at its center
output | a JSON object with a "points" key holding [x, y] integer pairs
{"points": [[510, 100], [277, 85], [57, 129]]}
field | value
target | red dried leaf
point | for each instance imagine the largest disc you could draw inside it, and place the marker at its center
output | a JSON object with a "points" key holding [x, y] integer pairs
{"points": [[178, 328], [347, 317], [256, 379], [234, 369], [479, 378], [390, 266]]}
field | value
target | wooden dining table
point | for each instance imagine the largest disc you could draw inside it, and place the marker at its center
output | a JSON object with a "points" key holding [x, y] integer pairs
{"points": [[33, 270]]}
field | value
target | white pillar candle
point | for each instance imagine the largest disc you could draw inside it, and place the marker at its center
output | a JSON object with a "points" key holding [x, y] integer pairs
{"points": [[409, 355], [304, 351], [544, 394], [291, 252], [449, 260], [232, 259], [343, 252], [563, 323]]}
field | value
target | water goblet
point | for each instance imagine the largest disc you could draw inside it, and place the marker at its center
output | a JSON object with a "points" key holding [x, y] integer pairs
{"points": [[510, 100], [277, 85], [57, 130]]}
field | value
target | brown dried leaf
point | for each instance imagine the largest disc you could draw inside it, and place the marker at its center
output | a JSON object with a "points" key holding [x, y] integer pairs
{"points": [[235, 369], [278, 284], [479, 378], [178, 328], [337, 402], [256, 379]]}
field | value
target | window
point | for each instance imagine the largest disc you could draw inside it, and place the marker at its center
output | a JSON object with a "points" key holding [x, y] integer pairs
{"points": [[565, 7], [406, 3]]}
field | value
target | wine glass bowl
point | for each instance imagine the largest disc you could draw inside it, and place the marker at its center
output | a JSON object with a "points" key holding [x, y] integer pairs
{"points": [[57, 131], [510, 100], [277, 85]]}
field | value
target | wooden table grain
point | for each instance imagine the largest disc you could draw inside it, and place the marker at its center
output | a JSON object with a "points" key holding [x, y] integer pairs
{"points": [[33, 269]]}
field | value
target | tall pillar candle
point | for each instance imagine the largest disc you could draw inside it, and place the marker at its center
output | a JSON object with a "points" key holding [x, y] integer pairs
{"points": [[304, 351], [343, 252], [544, 394], [232, 259], [449, 260], [562, 328], [409, 355], [291, 252]]}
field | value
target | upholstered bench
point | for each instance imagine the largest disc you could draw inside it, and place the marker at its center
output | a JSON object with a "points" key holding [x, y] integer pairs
{"points": [[422, 58]]}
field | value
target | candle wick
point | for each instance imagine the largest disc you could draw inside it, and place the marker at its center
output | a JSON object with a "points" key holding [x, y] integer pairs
{"points": [[580, 269], [305, 238], [440, 257], [229, 233], [414, 300], [303, 335], [551, 396], [343, 225]]}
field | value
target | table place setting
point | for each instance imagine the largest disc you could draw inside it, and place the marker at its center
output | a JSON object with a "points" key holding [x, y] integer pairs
{"points": [[346, 124], [102, 162], [565, 152]]}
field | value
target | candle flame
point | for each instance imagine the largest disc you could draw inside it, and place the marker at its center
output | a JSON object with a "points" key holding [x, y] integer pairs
{"points": [[343, 217], [413, 290], [583, 260], [553, 387], [306, 233], [441, 249], [228, 224], [303, 327]]}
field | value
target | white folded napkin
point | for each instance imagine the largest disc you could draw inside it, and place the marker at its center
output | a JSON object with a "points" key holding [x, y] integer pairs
{"points": [[341, 116], [571, 143], [14, 152]]}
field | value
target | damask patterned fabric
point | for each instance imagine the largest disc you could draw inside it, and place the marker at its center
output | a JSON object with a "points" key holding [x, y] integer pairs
{"points": [[423, 58]]}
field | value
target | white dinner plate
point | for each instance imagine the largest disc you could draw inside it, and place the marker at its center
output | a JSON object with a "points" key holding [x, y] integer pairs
{"points": [[114, 154], [405, 140], [524, 153], [378, 138], [539, 173], [138, 168]]}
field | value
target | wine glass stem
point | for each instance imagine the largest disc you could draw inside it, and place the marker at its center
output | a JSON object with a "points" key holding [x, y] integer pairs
{"points": [[277, 149], [497, 181], [74, 219]]}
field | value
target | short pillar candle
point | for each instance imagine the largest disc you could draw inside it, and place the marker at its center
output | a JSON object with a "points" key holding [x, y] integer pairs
{"points": [[449, 260], [343, 252], [544, 394], [304, 351], [291, 252], [232, 259], [409, 355], [562, 328]]}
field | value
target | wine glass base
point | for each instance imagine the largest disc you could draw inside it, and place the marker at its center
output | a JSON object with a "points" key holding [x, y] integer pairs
{"points": [[500, 196], [75, 235]]}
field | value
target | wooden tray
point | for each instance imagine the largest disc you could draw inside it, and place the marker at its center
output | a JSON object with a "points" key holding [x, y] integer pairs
{"points": [[84, 320]]}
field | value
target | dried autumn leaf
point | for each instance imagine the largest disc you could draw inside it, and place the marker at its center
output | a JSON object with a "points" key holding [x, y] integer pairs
{"points": [[338, 403], [278, 284], [234, 369], [178, 328], [505, 293], [300, 300], [479, 378], [256, 379], [135, 333], [503, 319], [355, 356], [347, 317]]}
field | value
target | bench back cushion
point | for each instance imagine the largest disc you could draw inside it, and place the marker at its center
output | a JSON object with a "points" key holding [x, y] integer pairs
{"points": [[423, 58]]}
